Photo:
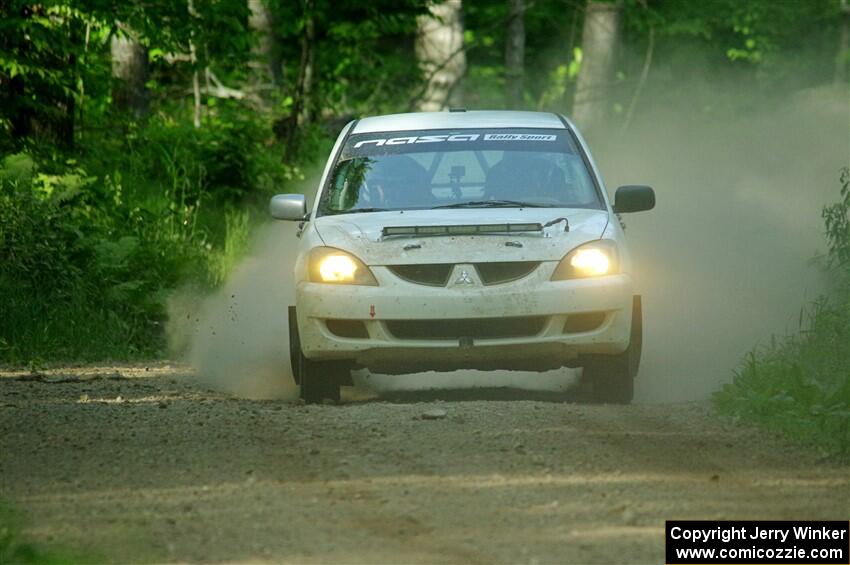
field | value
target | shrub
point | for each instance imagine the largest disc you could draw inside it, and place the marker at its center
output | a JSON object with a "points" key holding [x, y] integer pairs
{"points": [[95, 239], [800, 385]]}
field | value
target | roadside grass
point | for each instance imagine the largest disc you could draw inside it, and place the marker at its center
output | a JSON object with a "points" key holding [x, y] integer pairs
{"points": [[15, 550], [799, 385], [80, 327]]}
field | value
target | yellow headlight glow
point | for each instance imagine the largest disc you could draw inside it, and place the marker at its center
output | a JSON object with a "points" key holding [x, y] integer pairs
{"points": [[590, 262], [337, 268]]}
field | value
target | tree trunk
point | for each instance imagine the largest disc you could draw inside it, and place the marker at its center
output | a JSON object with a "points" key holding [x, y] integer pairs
{"points": [[302, 105], [265, 61], [308, 61], [644, 75], [842, 60], [599, 40], [196, 93], [130, 72], [439, 49], [515, 55]]}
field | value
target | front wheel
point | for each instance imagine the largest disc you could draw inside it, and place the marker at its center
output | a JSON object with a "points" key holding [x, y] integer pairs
{"points": [[612, 377], [319, 380]]}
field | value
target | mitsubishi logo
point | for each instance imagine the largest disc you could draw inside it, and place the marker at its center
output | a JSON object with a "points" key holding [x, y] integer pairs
{"points": [[464, 278]]}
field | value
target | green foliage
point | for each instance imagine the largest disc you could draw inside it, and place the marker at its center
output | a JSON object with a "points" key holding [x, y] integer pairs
{"points": [[54, 56], [66, 272], [725, 39], [800, 385], [92, 250], [743, 53], [237, 236], [364, 52], [15, 551], [837, 221]]}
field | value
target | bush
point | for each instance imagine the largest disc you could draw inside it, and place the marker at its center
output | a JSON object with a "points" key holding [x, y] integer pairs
{"points": [[80, 279], [800, 385], [94, 242]]}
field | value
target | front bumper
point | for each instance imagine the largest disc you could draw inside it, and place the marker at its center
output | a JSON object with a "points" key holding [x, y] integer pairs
{"points": [[547, 343]]}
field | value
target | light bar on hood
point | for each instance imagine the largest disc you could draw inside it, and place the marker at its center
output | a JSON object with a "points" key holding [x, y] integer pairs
{"points": [[460, 230]]}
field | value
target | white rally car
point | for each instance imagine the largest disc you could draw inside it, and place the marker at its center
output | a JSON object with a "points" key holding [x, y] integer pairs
{"points": [[463, 240]]}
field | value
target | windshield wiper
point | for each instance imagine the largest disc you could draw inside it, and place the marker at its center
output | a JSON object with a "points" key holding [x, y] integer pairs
{"points": [[494, 204]]}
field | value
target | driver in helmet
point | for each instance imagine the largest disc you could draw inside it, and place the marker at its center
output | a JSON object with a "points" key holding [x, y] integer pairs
{"points": [[399, 182]]}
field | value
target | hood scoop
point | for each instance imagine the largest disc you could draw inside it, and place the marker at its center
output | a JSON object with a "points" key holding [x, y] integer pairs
{"points": [[472, 229]]}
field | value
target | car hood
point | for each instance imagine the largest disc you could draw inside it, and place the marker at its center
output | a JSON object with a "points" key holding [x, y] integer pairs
{"points": [[362, 235]]}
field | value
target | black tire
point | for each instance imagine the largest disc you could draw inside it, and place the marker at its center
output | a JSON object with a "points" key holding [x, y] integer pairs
{"points": [[611, 378], [318, 382], [294, 346]]}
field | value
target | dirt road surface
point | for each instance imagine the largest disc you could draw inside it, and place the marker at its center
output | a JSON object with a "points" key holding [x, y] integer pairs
{"points": [[135, 464]]}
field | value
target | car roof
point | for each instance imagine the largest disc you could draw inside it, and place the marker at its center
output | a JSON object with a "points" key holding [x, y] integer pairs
{"points": [[458, 119]]}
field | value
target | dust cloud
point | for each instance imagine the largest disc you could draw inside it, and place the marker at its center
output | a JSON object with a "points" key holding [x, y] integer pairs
{"points": [[237, 338], [723, 263]]}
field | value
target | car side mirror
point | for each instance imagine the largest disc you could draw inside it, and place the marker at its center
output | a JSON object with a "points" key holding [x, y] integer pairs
{"points": [[634, 198], [292, 207]]}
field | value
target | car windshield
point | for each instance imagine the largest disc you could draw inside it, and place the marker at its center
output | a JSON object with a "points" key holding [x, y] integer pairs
{"points": [[469, 168]]}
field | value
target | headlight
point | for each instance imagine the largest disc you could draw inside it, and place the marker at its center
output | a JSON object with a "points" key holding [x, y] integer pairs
{"points": [[329, 265], [592, 259]]}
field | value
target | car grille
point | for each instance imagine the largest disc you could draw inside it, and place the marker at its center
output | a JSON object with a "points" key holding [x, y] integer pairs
{"points": [[507, 271], [433, 275], [437, 274], [476, 328]]}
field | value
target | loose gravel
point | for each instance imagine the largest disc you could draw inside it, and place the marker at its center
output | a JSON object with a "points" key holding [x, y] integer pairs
{"points": [[143, 464]]}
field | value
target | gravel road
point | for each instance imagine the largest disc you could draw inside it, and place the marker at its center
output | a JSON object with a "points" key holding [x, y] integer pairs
{"points": [[143, 464]]}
